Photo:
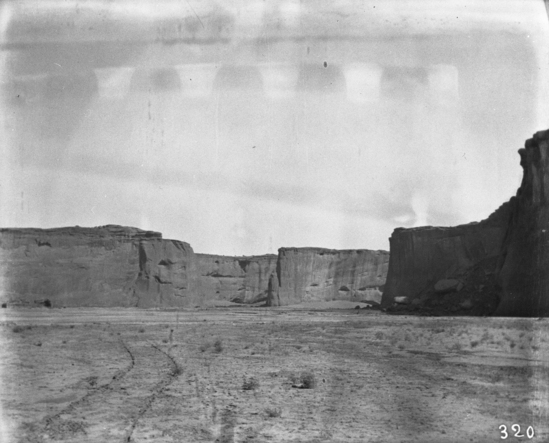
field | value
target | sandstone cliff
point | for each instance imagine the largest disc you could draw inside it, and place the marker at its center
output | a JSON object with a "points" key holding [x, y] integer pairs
{"points": [[104, 266], [316, 274], [523, 268], [121, 266], [497, 266], [236, 279]]}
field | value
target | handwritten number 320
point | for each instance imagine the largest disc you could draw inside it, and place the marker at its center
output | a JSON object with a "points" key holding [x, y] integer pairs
{"points": [[516, 430]]}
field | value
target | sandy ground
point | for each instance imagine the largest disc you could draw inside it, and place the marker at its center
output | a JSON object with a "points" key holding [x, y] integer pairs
{"points": [[270, 375]]}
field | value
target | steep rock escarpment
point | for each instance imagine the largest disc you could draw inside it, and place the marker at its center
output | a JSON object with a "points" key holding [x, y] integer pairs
{"points": [[167, 274], [105, 266], [316, 274], [426, 261], [121, 266], [497, 266], [235, 279], [523, 268]]}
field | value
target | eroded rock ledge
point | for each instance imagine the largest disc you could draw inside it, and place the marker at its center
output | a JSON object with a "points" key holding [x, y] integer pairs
{"points": [[497, 266]]}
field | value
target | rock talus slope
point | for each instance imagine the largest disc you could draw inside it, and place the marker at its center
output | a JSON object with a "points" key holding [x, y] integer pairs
{"points": [[497, 266]]}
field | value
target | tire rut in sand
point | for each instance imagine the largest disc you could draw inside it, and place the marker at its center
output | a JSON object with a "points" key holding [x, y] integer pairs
{"points": [[54, 426], [110, 412], [160, 386]]}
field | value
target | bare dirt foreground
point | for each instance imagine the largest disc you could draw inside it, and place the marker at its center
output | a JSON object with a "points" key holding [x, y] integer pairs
{"points": [[278, 375]]}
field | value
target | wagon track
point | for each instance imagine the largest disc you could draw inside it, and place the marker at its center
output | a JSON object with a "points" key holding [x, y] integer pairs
{"points": [[160, 386], [52, 420], [111, 412]]}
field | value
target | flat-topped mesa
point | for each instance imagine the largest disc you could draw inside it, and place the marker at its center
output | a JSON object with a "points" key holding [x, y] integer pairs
{"points": [[104, 266], [523, 270], [72, 235], [235, 279], [317, 274], [498, 266]]}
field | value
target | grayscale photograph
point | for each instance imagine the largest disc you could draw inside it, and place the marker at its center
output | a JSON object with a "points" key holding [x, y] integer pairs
{"points": [[271, 221]]}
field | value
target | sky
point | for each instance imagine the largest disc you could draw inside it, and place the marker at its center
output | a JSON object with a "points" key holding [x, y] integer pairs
{"points": [[241, 127]]}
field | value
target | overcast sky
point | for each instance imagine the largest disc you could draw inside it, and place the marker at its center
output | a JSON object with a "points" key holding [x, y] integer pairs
{"points": [[259, 125]]}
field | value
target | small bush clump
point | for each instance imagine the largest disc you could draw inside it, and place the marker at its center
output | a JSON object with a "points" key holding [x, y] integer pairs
{"points": [[18, 329], [218, 346], [273, 412], [308, 380], [305, 380], [474, 343], [250, 384], [141, 330]]}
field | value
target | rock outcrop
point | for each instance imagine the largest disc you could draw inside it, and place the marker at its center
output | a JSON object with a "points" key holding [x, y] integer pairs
{"points": [[497, 266], [428, 263], [235, 279], [121, 266], [316, 274], [523, 268], [104, 266]]}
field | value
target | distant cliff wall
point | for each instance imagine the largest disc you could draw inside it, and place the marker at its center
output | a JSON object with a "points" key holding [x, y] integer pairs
{"points": [[122, 266], [316, 274], [105, 266], [236, 279]]}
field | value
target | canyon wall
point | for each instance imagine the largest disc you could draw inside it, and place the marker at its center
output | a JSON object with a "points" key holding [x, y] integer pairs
{"points": [[316, 274], [523, 267], [122, 266], [104, 266], [235, 279], [498, 266]]}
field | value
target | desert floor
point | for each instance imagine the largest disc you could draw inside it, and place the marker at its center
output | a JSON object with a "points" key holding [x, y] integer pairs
{"points": [[270, 375]]}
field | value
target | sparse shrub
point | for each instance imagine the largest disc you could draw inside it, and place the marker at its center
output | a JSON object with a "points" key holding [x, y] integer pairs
{"points": [[380, 335], [141, 330], [218, 346], [273, 412], [474, 343], [512, 344], [18, 329], [4, 305], [204, 346], [401, 347], [308, 380], [250, 384], [47, 303], [164, 340], [71, 326]]}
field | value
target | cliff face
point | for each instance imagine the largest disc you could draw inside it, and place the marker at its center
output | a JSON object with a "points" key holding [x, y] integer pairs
{"points": [[105, 266], [121, 266], [523, 268], [236, 279], [167, 274], [423, 257], [315, 274], [497, 266]]}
